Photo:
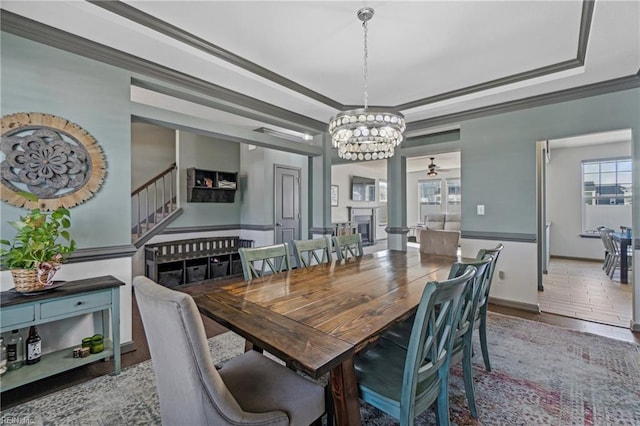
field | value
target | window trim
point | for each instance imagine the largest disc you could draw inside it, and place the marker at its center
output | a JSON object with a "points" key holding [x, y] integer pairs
{"points": [[582, 182]]}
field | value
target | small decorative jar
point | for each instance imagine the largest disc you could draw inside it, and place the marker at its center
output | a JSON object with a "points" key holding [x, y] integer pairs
{"points": [[97, 344], [86, 342]]}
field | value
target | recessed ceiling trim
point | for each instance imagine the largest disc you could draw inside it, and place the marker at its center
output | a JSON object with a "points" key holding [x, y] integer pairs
{"points": [[135, 15], [585, 29], [223, 106], [511, 79], [600, 88], [163, 27], [50, 36], [583, 39]]}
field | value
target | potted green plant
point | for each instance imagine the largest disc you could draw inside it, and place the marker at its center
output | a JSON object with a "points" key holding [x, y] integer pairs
{"points": [[40, 246]]}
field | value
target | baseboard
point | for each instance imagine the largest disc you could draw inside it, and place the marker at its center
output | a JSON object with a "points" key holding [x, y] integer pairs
{"points": [[582, 259], [529, 307], [129, 346], [635, 327]]}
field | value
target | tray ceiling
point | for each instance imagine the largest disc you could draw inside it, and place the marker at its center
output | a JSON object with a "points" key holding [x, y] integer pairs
{"points": [[427, 58]]}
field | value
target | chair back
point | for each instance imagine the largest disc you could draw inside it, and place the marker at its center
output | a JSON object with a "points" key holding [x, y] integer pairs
{"points": [[613, 244], [189, 387], [348, 246], [444, 243], [470, 310], [495, 252], [306, 251], [431, 341], [259, 261]]}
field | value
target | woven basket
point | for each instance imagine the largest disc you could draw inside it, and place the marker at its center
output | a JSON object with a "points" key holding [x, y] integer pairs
{"points": [[30, 280], [26, 280]]}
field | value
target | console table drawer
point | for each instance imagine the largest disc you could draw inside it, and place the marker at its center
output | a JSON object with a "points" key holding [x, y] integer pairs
{"points": [[16, 315], [74, 304]]}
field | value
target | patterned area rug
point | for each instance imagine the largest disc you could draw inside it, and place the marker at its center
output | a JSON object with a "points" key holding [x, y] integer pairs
{"points": [[541, 375]]}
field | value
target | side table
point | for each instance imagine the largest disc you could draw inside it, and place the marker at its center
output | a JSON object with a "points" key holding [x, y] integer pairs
{"points": [[100, 294]]}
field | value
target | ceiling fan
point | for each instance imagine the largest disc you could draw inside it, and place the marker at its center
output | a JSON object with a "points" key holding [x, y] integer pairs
{"points": [[432, 168]]}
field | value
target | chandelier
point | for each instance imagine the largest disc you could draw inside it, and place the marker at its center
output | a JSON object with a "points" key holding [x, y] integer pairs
{"points": [[366, 133]]}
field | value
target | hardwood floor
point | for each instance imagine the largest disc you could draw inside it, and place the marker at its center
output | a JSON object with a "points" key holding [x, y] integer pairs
{"points": [[581, 289], [82, 374]]}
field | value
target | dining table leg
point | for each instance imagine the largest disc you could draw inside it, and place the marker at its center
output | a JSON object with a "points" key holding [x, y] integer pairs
{"points": [[624, 262], [344, 388]]}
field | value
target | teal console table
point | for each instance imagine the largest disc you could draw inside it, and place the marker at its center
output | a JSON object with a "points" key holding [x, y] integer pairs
{"points": [[17, 311]]}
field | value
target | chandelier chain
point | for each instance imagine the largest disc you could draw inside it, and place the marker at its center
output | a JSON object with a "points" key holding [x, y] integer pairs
{"points": [[363, 133], [366, 67]]}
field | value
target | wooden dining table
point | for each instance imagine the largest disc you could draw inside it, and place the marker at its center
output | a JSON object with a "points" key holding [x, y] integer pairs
{"points": [[317, 318]]}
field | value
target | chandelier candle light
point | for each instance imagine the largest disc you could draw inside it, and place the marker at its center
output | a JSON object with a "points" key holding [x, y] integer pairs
{"points": [[364, 133]]}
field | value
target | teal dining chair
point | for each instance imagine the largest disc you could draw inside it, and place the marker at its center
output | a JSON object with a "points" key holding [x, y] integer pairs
{"points": [[312, 252], [348, 246], [483, 303], [258, 261], [462, 349], [405, 382]]}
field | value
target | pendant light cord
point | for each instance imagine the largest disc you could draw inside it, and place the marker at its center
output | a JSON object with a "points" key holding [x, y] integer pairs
{"points": [[366, 68]]}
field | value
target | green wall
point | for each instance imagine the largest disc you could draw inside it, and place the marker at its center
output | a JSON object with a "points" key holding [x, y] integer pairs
{"points": [[499, 155], [206, 153], [36, 78]]}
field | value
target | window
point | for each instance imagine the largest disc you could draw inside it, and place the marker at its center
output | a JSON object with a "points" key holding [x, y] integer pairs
{"points": [[429, 192], [454, 192], [606, 192], [382, 211]]}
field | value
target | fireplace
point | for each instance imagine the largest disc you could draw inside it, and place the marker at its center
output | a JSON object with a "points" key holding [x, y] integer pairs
{"points": [[363, 225], [364, 219]]}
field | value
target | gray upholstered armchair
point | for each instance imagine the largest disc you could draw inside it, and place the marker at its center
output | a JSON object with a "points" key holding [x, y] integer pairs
{"points": [[250, 389], [439, 242]]}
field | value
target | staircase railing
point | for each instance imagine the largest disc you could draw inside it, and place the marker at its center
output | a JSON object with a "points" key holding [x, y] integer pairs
{"points": [[153, 201]]}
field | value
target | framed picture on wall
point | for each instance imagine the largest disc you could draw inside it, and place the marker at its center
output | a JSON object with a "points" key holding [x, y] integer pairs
{"points": [[334, 195]]}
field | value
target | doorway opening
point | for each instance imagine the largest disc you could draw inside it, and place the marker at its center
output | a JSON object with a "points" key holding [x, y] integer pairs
{"points": [[578, 177]]}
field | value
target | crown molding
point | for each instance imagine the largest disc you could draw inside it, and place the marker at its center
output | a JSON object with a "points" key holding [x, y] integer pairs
{"points": [[578, 61], [595, 89], [50, 36], [243, 105], [231, 108], [135, 15]]}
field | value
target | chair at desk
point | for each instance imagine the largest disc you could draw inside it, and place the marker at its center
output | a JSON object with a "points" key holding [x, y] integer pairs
{"points": [[605, 237], [306, 251], [348, 246], [405, 382], [249, 389], [270, 259]]}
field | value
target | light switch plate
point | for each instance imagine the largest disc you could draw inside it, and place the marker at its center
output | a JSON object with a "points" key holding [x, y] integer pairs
{"points": [[480, 209]]}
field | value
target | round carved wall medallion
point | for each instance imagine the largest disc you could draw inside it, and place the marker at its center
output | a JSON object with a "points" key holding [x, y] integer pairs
{"points": [[51, 157]]}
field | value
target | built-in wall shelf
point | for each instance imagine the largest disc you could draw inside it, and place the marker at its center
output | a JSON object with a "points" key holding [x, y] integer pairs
{"points": [[211, 186]]}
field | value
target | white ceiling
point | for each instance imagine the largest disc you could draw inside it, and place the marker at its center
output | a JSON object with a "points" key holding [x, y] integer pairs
{"points": [[417, 49]]}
